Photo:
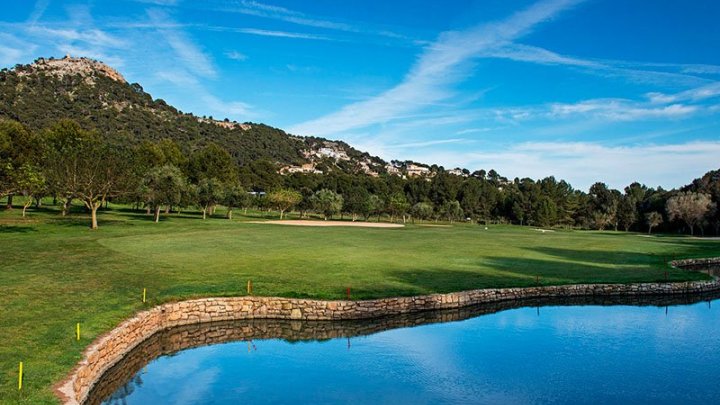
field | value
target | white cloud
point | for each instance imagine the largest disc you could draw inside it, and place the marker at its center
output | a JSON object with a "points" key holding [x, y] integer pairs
{"points": [[439, 66], [235, 55], [621, 110], [708, 91]]}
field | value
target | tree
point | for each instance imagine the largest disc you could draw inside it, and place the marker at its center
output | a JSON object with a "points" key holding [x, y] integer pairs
{"points": [[627, 213], [357, 202], [19, 151], [327, 202], [209, 192], [284, 199], [604, 203], [452, 211], [689, 207], [653, 219], [398, 206], [163, 186], [235, 196], [545, 213], [422, 210], [212, 161], [30, 182], [80, 165], [375, 206]]}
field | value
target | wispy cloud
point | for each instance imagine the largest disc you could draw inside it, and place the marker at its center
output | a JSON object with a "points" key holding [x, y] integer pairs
{"points": [[711, 90], [270, 33], [273, 12], [634, 71], [425, 144], [185, 49], [38, 11], [438, 67]]}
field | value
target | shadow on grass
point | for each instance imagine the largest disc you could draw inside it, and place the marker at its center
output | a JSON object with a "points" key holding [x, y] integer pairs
{"points": [[498, 272], [618, 257], [16, 229]]}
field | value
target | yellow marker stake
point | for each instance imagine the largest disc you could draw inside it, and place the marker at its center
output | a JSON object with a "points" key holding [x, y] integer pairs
{"points": [[144, 292], [249, 287], [20, 377], [77, 331]]}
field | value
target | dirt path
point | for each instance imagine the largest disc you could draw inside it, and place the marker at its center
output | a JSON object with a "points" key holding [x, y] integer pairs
{"points": [[329, 223]]}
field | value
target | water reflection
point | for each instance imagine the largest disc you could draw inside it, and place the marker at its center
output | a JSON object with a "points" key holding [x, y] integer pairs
{"points": [[428, 351]]}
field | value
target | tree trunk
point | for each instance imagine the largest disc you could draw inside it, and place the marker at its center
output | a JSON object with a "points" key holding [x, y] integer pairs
{"points": [[66, 206], [157, 214], [229, 213], [167, 209], [147, 209], [93, 215], [25, 206], [692, 230], [281, 214], [38, 202], [204, 211], [9, 202], [650, 229]]}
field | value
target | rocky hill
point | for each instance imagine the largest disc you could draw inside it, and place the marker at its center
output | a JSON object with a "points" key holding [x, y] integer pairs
{"points": [[99, 97]]}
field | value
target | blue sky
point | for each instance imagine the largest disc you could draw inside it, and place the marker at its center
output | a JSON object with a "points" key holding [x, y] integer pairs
{"points": [[610, 90]]}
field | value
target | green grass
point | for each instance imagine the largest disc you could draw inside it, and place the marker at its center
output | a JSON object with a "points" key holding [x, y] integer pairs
{"points": [[55, 272]]}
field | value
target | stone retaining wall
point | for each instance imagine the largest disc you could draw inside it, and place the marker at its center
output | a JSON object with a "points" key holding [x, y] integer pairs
{"points": [[109, 349]]}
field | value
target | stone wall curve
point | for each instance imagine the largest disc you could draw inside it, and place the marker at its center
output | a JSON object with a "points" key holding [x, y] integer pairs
{"points": [[110, 348]]}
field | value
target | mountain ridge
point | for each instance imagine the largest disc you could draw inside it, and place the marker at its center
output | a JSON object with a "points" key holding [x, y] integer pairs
{"points": [[99, 97]]}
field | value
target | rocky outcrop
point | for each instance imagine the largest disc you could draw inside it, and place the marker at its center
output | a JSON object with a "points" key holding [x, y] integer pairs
{"points": [[113, 347], [68, 65]]}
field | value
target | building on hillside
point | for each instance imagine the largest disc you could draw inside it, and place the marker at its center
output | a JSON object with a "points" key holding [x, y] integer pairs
{"points": [[414, 170], [392, 169], [305, 168], [333, 153], [457, 172]]}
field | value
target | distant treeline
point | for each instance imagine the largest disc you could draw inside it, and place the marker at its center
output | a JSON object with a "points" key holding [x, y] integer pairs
{"points": [[68, 162]]}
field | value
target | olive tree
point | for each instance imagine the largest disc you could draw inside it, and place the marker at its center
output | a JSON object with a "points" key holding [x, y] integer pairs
{"points": [[163, 185], [283, 199], [327, 202], [235, 196], [689, 207], [79, 164], [209, 192]]}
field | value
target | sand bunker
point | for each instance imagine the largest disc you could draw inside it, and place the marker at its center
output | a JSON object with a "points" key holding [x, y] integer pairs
{"points": [[301, 222]]}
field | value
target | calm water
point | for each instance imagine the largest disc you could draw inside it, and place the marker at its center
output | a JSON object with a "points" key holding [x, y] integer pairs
{"points": [[547, 354]]}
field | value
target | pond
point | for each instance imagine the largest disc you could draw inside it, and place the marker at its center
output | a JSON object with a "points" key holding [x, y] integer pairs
{"points": [[649, 350]]}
